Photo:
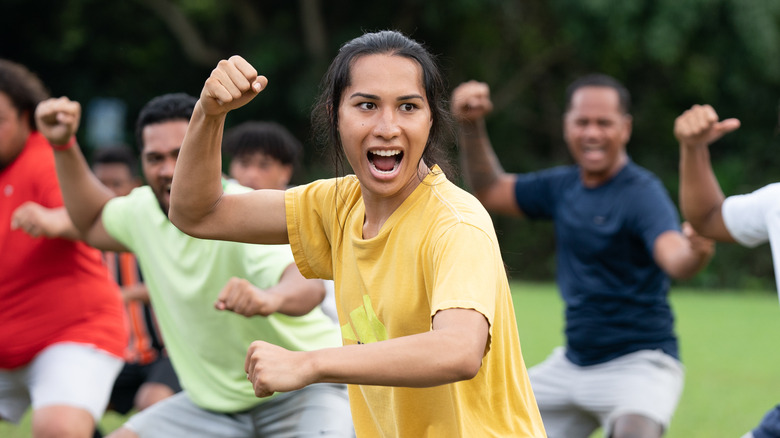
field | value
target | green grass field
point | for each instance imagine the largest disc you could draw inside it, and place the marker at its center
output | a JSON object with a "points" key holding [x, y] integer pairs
{"points": [[727, 345]]}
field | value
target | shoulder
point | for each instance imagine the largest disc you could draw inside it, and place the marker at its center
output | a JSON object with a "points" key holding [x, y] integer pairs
{"points": [[452, 204]]}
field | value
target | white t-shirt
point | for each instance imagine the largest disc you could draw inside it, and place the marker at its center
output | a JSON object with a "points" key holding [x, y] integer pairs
{"points": [[754, 218]]}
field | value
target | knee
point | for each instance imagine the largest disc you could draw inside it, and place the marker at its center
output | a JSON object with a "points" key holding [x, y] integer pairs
{"points": [[123, 432], [151, 393], [62, 422], [636, 426]]}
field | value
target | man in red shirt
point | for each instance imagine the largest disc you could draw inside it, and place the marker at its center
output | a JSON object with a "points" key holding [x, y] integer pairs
{"points": [[62, 329]]}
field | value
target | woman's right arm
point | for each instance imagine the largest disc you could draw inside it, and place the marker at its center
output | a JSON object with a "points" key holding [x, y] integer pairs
{"points": [[198, 205]]}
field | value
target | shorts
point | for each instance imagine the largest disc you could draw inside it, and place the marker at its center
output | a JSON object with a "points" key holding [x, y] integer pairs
{"points": [[67, 373], [576, 400], [770, 425], [134, 375], [320, 410]]}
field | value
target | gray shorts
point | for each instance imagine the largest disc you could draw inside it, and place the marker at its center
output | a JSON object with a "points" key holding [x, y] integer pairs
{"points": [[320, 410], [576, 400], [68, 374]]}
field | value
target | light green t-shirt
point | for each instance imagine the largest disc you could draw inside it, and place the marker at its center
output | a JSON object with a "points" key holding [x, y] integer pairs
{"points": [[184, 276]]}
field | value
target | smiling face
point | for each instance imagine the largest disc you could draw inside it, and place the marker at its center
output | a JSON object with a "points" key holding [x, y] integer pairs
{"points": [[384, 122], [161, 144], [596, 131]]}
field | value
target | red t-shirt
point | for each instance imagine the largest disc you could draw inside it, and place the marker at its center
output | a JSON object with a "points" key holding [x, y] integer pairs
{"points": [[51, 290]]}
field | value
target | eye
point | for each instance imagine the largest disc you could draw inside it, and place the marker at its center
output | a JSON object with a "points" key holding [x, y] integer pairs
{"points": [[367, 105], [408, 107]]}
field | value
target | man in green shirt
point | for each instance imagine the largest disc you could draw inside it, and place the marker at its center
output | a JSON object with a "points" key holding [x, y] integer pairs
{"points": [[260, 285]]}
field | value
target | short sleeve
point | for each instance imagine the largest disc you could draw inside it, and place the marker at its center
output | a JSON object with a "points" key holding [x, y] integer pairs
{"points": [[467, 272], [747, 216]]}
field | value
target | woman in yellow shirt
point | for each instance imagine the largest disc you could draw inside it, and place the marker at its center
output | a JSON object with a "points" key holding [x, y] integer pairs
{"points": [[430, 341]]}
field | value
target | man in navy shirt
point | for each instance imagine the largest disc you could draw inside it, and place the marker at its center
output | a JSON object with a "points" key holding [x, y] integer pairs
{"points": [[618, 242]]}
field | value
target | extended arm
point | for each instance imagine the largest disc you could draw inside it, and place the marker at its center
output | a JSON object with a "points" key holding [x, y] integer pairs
{"points": [[198, 205], [483, 172], [293, 295], [683, 255], [39, 221], [84, 195], [451, 352], [701, 197]]}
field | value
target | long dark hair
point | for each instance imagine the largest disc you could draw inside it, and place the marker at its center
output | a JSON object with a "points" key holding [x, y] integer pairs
{"points": [[325, 119]]}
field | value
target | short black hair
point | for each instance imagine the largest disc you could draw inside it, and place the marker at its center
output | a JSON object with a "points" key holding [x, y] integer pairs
{"points": [[600, 80], [269, 138], [118, 154], [164, 108]]}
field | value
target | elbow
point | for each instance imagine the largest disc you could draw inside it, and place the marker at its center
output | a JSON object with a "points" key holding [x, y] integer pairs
{"points": [[186, 219], [464, 365], [185, 224], [467, 368]]}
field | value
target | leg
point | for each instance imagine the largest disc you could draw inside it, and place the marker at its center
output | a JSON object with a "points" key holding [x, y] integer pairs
{"points": [[178, 416], [62, 422], [552, 382], [151, 393], [636, 426], [637, 392], [123, 432], [160, 383], [69, 387], [14, 394], [317, 410]]}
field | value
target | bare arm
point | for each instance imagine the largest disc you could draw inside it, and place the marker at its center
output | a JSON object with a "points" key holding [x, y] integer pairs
{"points": [[39, 221], [701, 197], [683, 255], [198, 205], [58, 119], [483, 172], [294, 295], [451, 352]]}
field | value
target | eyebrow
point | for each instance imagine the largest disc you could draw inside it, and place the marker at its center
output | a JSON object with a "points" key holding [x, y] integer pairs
{"points": [[375, 97]]}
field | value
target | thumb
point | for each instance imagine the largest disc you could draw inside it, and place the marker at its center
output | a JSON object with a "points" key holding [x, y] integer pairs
{"points": [[727, 125]]}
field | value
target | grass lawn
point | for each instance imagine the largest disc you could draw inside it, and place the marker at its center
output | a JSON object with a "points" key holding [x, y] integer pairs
{"points": [[727, 341]]}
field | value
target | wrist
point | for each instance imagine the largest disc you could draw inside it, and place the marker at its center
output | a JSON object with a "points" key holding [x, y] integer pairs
{"points": [[66, 146]]}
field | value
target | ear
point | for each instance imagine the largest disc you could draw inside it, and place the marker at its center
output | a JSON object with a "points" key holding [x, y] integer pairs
{"points": [[287, 172], [629, 126]]}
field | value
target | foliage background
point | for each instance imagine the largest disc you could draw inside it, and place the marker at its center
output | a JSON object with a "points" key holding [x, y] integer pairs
{"points": [[669, 53]]}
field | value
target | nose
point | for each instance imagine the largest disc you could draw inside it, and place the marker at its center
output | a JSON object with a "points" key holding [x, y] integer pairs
{"points": [[166, 169], [387, 126], [591, 130]]}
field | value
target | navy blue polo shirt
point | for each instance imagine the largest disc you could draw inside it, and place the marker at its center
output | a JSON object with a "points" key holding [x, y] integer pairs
{"points": [[615, 294]]}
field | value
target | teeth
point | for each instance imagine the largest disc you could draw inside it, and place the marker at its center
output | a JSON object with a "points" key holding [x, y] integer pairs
{"points": [[386, 153]]}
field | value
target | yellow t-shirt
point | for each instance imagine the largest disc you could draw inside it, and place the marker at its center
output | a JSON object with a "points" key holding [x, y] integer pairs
{"points": [[437, 251]]}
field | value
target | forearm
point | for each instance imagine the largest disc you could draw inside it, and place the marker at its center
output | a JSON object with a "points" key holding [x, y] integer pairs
{"points": [[197, 186], [63, 226], [700, 194], [422, 360], [298, 294], [82, 192], [688, 265], [478, 160]]}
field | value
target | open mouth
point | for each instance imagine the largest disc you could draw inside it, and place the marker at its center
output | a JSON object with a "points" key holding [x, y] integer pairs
{"points": [[385, 161]]}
